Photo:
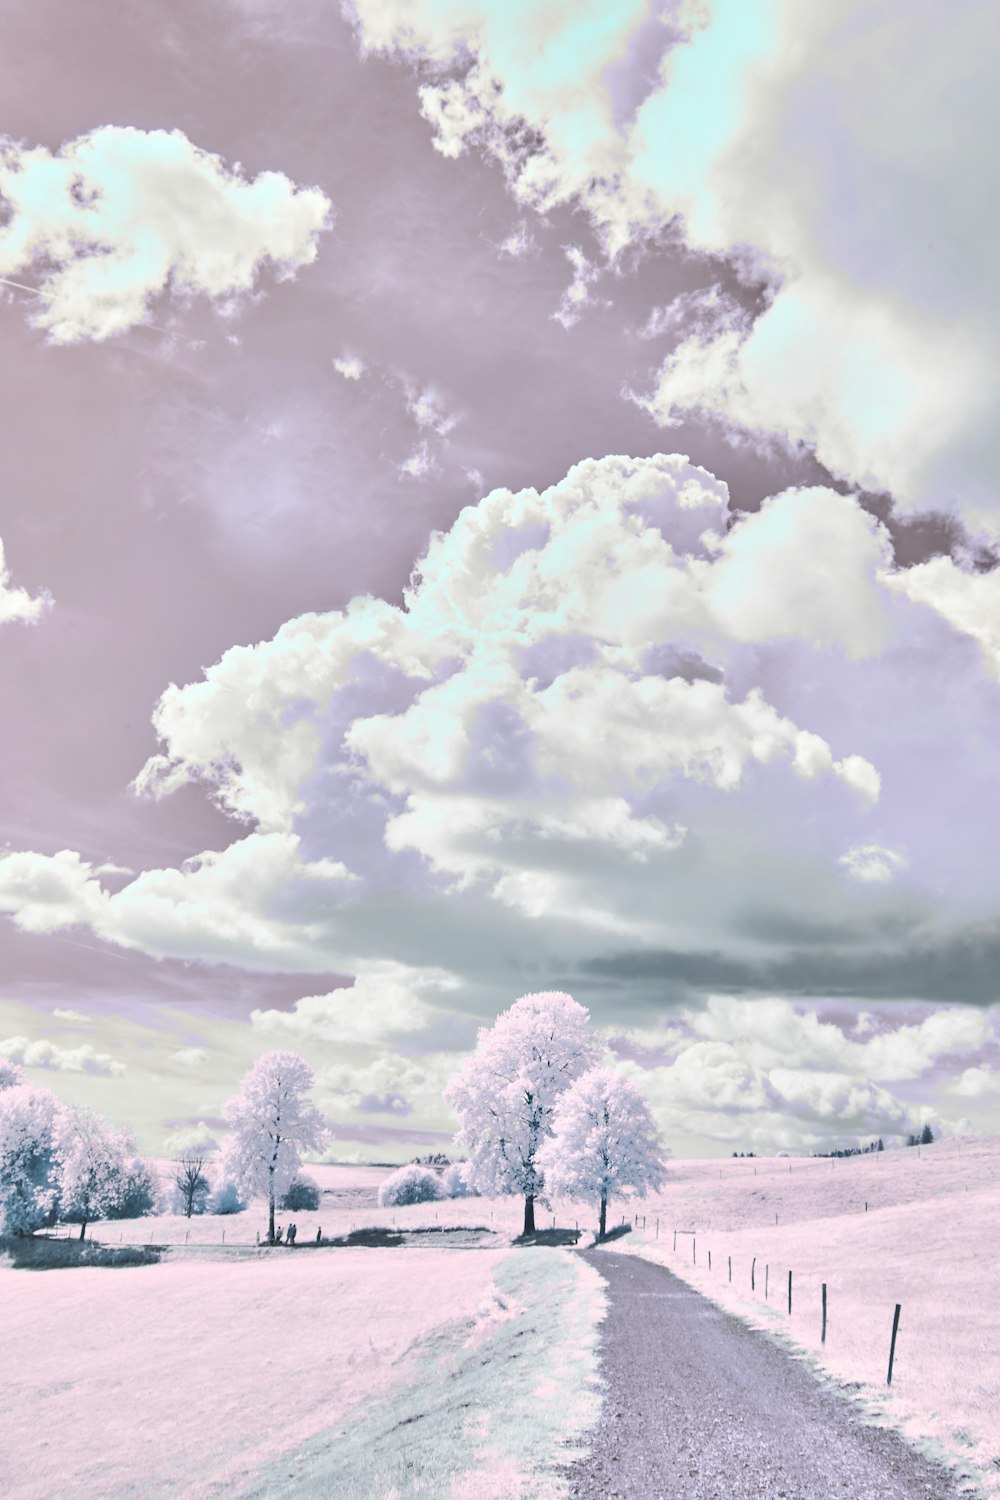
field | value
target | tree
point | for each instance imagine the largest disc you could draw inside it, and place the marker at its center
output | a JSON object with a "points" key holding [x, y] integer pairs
{"points": [[603, 1141], [273, 1123], [927, 1136], [92, 1159], [191, 1183], [505, 1093], [137, 1191], [10, 1073], [27, 1186]]}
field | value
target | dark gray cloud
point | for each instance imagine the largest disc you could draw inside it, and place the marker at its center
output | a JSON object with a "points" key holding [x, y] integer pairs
{"points": [[963, 967]]}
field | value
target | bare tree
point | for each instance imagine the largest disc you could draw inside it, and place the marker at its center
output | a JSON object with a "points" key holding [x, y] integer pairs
{"points": [[190, 1181]]}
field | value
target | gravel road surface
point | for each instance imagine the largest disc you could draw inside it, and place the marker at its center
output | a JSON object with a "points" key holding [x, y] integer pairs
{"points": [[698, 1406]]}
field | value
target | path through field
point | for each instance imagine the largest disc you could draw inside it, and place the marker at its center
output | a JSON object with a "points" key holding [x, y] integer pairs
{"points": [[699, 1406]]}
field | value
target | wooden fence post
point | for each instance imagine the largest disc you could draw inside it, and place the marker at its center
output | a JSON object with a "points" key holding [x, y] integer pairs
{"points": [[753, 1279], [892, 1345], [823, 1335], [767, 1278], [675, 1239], [694, 1251], [710, 1260], [730, 1270], [789, 1294]]}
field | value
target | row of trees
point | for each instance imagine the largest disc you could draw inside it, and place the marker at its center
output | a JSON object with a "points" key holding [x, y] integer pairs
{"points": [[63, 1160], [66, 1162]]}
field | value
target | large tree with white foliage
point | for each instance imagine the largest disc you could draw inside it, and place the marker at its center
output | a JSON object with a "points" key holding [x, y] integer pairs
{"points": [[604, 1141], [27, 1185], [93, 1160], [273, 1123], [506, 1092]]}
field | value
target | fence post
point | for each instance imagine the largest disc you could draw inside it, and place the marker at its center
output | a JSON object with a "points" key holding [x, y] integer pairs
{"points": [[710, 1260], [223, 1236], [730, 1270], [753, 1279], [892, 1345], [823, 1335], [767, 1278], [675, 1239], [694, 1251], [789, 1294]]}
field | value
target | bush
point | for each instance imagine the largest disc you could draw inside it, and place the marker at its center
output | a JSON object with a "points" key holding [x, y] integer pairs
{"points": [[303, 1195], [455, 1181], [36, 1253], [411, 1184], [226, 1199]]}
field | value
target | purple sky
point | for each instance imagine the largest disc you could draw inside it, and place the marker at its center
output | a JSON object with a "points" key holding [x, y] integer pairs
{"points": [[368, 659]]}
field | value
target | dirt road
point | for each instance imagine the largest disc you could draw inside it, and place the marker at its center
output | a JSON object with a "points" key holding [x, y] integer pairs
{"points": [[700, 1407]]}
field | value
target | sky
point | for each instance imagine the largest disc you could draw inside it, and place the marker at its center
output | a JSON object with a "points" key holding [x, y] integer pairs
{"points": [[498, 498]]}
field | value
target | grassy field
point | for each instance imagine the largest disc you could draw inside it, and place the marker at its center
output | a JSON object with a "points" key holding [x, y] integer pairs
{"points": [[352, 1337]]}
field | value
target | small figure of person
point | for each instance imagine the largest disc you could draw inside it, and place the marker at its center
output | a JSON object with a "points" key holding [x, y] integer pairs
{"points": [[277, 1235], [290, 1236], [258, 1236], [319, 1236]]}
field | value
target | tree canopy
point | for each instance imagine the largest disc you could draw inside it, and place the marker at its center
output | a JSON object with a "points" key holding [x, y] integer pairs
{"points": [[507, 1090]]}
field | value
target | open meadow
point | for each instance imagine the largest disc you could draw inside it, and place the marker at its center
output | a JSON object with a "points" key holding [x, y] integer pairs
{"points": [[468, 1371]]}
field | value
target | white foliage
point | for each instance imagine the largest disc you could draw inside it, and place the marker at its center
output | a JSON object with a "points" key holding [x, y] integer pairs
{"points": [[456, 1183], [92, 1160], [506, 1092], [27, 1191], [226, 1199], [604, 1141], [411, 1184], [273, 1123], [10, 1073]]}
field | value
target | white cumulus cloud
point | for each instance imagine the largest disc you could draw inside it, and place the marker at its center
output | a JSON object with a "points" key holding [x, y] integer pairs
{"points": [[16, 603], [40, 1053], [873, 863], [838, 150], [119, 216]]}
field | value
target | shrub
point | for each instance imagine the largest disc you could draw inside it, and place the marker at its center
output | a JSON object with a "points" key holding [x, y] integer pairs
{"points": [[226, 1199], [411, 1184], [455, 1181], [303, 1195], [36, 1253]]}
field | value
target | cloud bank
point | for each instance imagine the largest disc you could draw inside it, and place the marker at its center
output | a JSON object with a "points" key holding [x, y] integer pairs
{"points": [[834, 152]]}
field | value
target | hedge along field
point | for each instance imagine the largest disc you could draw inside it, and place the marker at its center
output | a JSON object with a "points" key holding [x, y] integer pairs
{"points": [[930, 1241]]}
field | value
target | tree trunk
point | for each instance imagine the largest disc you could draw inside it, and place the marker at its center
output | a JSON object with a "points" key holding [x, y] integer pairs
{"points": [[83, 1229], [604, 1217], [529, 1215], [270, 1217]]}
